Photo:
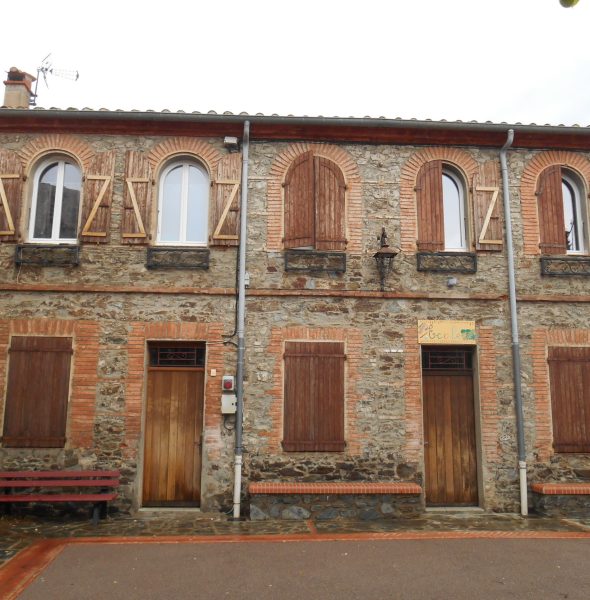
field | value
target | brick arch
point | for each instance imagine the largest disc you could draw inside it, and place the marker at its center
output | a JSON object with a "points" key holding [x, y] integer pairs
{"points": [[408, 218], [56, 142], [278, 172], [209, 155], [528, 186]]}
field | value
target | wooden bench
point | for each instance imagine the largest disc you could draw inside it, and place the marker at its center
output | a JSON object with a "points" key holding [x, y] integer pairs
{"points": [[96, 487], [327, 500], [549, 501]]}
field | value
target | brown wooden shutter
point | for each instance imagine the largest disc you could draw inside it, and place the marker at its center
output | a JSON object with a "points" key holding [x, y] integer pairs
{"points": [[487, 210], [550, 207], [569, 372], [330, 207], [37, 392], [224, 223], [300, 203], [429, 204], [98, 193], [135, 221], [11, 185], [314, 397]]}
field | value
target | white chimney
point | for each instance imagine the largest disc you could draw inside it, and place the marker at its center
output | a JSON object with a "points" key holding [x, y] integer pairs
{"points": [[17, 90]]}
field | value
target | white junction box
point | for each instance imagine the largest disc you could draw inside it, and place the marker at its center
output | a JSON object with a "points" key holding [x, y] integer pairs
{"points": [[228, 404]]}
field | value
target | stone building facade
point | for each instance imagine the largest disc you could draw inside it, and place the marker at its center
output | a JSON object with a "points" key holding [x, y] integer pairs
{"points": [[150, 320]]}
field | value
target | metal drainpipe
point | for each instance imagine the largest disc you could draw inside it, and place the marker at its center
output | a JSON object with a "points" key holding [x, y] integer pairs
{"points": [[241, 319], [524, 509]]}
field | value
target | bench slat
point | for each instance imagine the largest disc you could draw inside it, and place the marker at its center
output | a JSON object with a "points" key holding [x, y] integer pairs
{"points": [[56, 474], [30, 483], [566, 488], [10, 498]]}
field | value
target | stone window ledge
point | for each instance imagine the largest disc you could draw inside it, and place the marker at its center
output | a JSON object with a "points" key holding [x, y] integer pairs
{"points": [[313, 261], [177, 258], [565, 266], [47, 255], [447, 262]]}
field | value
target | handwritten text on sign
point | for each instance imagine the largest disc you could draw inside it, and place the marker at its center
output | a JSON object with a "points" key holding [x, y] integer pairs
{"points": [[446, 332]]}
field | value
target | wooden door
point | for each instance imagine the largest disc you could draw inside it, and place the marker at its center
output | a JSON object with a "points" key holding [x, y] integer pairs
{"points": [[449, 438], [172, 455]]}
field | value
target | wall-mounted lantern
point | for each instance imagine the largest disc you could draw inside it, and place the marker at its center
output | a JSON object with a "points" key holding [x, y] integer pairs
{"points": [[384, 258]]}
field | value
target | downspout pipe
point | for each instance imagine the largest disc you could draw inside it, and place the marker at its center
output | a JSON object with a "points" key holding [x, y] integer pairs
{"points": [[524, 510], [241, 323]]}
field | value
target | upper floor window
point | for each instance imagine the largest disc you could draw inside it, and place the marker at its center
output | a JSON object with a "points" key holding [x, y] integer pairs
{"points": [[441, 207], [315, 205], [56, 202], [183, 208], [562, 212]]}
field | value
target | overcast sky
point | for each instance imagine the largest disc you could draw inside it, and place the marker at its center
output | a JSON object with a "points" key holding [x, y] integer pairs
{"points": [[497, 60]]}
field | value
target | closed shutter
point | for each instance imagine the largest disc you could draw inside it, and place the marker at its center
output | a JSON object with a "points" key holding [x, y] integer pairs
{"points": [[135, 225], [98, 193], [569, 372], [299, 203], [487, 210], [550, 207], [429, 205], [225, 207], [330, 208], [314, 397], [11, 182], [37, 392]]}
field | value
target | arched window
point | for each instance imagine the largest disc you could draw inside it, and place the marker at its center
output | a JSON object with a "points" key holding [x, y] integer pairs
{"points": [[441, 207], [562, 212], [183, 207], [56, 202]]}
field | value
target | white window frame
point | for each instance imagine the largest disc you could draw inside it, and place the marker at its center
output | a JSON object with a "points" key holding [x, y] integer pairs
{"points": [[458, 181], [576, 188], [185, 164], [54, 239]]}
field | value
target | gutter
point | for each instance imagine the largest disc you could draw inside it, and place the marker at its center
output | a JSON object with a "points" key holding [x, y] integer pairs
{"points": [[514, 328]]}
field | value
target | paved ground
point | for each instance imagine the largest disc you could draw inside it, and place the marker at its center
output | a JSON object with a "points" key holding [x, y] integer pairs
{"points": [[130, 555]]}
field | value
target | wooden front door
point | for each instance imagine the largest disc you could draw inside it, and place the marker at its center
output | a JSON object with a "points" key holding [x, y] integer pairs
{"points": [[173, 427], [449, 428]]}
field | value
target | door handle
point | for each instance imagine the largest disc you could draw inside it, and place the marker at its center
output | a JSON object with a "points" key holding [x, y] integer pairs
{"points": [[426, 443]]}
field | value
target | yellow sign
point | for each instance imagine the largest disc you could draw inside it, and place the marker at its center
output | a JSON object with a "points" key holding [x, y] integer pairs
{"points": [[446, 332]]}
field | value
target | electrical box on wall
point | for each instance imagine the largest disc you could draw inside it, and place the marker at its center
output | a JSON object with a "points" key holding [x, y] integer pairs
{"points": [[228, 404]]}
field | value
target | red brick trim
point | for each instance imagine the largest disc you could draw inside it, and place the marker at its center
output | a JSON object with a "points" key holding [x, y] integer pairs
{"points": [[353, 347], [84, 375], [561, 489], [179, 146], [278, 171], [56, 142], [488, 393], [407, 200], [413, 447], [528, 186], [211, 333], [542, 338], [344, 487]]}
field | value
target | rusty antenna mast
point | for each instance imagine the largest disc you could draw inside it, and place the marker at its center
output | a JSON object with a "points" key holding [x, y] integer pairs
{"points": [[47, 68]]}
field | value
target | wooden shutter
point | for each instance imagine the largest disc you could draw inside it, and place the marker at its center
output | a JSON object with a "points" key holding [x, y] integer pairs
{"points": [[224, 223], [314, 397], [37, 392], [330, 208], [569, 372], [429, 205], [98, 193], [487, 210], [300, 203], [135, 221], [11, 185], [550, 207]]}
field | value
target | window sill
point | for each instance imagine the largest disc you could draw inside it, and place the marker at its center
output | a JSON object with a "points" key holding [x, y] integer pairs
{"points": [[46, 255], [447, 262], [565, 266], [166, 257], [313, 261]]}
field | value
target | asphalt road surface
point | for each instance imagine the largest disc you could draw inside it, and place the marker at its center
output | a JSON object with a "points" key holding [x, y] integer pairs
{"points": [[382, 569]]}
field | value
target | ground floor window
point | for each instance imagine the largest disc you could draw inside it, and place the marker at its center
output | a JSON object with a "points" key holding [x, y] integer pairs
{"points": [[569, 373], [37, 392], [314, 397]]}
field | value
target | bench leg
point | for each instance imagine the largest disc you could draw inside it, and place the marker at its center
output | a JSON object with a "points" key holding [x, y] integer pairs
{"points": [[95, 513]]}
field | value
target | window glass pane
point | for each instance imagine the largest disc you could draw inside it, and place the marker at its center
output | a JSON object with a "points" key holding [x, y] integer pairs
{"points": [[197, 205], [70, 204], [571, 217], [45, 202], [453, 215], [171, 206]]}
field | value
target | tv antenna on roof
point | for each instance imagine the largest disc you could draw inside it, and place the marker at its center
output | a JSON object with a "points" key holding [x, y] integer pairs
{"points": [[47, 68]]}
